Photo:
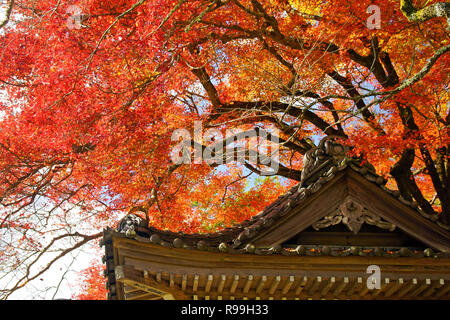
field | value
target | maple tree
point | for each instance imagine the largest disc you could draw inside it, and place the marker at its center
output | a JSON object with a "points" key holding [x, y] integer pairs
{"points": [[92, 92], [92, 284]]}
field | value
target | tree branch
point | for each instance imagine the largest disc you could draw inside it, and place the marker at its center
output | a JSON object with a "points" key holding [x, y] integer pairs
{"points": [[435, 10], [9, 7]]}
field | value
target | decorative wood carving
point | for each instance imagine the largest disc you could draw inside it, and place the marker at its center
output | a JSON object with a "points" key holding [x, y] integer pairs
{"points": [[353, 215], [130, 224], [327, 152]]}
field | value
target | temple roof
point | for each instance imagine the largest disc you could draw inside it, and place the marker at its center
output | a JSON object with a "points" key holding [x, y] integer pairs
{"points": [[324, 165], [315, 241]]}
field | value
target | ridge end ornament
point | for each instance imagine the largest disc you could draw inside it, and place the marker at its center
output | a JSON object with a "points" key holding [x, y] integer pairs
{"points": [[330, 152], [319, 159]]}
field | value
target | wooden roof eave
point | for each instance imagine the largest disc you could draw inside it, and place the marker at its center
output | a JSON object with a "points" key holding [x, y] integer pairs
{"points": [[163, 258], [153, 271]]}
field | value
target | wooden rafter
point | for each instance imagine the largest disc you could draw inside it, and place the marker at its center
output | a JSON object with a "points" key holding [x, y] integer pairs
{"points": [[132, 277]]}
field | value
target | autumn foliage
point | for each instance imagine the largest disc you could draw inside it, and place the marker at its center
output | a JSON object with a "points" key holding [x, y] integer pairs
{"points": [[92, 284], [93, 90]]}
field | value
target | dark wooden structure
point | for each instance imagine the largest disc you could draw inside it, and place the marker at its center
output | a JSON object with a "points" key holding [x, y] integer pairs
{"points": [[317, 241]]}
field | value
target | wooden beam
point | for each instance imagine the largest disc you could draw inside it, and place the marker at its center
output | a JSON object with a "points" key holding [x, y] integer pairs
{"points": [[223, 278], [422, 286], [130, 276], [209, 283], [433, 288], [341, 286], [301, 285], [403, 291], [328, 286], [171, 280], [385, 285], [248, 284], [234, 284], [316, 283], [393, 288], [195, 283], [143, 295], [364, 290], [261, 284], [128, 289], [184, 282], [442, 291], [288, 285], [354, 287], [274, 285]]}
